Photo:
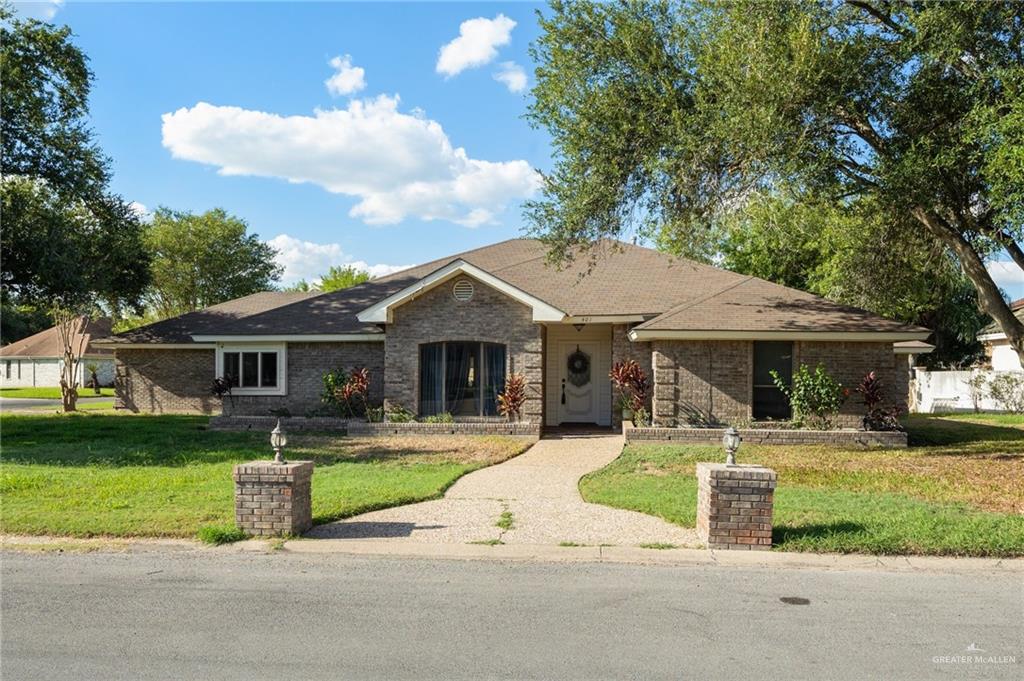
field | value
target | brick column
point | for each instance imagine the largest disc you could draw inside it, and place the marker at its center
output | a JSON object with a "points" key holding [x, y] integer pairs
{"points": [[273, 499], [734, 506]]}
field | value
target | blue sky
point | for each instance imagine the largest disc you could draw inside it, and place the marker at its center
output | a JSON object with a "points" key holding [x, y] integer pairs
{"points": [[441, 159], [383, 134]]}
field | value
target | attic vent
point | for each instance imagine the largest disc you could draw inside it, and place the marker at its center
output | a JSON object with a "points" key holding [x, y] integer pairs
{"points": [[463, 290]]}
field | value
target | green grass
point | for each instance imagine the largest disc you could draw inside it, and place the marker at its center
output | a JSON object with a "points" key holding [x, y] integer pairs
{"points": [[220, 534], [51, 393], [958, 491], [570, 544], [91, 474], [660, 546], [506, 521], [487, 542]]}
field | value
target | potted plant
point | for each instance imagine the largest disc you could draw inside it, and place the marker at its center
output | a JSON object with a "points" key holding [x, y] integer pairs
{"points": [[626, 408]]}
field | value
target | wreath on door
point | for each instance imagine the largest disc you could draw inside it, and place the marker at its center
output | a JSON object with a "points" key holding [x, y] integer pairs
{"points": [[579, 368]]}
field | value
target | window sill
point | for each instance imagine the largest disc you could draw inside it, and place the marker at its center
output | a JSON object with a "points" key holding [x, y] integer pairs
{"points": [[243, 392]]}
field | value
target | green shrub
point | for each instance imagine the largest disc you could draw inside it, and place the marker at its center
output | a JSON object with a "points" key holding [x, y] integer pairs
{"points": [[443, 417], [1007, 390], [815, 397], [220, 534], [396, 413]]}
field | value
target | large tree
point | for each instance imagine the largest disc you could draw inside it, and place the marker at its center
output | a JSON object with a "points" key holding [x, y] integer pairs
{"points": [[851, 253], [65, 236], [202, 260], [668, 116]]}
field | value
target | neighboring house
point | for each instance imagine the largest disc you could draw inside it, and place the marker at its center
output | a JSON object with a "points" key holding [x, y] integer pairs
{"points": [[442, 337], [997, 348], [36, 360]]}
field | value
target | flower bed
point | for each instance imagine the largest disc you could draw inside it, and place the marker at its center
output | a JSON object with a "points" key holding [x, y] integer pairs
{"points": [[769, 436]]}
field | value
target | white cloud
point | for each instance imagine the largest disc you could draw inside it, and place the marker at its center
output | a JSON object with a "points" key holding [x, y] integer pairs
{"points": [[476, 45], [38, 9], [1006, 273], [512, 75], [308, 260], [140, 209], [397, 164], [347, 78]]}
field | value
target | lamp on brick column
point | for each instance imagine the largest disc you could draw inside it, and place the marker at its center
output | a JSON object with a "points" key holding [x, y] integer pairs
{"points": [[278, 440], [731, 441]]}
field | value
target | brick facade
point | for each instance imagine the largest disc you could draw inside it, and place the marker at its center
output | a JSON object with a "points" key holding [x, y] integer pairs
{"points": [[702, 381], [848, 362], [622, 350], [734, 506], [711, 382], [165, 381], [273, 499], [489, 316], [307, 364]]}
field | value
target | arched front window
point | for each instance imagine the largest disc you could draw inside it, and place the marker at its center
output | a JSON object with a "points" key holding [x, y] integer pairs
{"points": [[462, 378]]}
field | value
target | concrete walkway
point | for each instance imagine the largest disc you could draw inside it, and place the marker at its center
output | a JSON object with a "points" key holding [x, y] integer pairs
{"points": [[540, 490]]}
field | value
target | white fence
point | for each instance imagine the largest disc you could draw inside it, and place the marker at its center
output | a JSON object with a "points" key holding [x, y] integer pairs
{"points": [[942, 391]]}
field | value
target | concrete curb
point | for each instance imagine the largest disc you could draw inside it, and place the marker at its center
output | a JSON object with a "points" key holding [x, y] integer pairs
{"points": [[533, 553], [637, 555]]}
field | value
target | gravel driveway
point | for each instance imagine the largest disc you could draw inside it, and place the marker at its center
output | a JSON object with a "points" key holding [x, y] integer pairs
{"points": [[540, 490]]}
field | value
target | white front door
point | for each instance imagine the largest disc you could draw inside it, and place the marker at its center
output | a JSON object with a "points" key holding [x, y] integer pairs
{"points": [[578, 400]]}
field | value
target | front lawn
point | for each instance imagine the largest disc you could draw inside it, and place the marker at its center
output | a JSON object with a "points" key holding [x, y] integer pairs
{"points": [[958, 490], [51, 393], [90, 474]]}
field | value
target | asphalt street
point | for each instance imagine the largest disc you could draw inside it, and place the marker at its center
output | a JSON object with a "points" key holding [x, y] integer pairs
{"points": [[8, 403], [219, 615]]}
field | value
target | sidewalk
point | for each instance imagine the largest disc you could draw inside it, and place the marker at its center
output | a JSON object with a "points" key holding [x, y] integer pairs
{"points": [[531, 499]]}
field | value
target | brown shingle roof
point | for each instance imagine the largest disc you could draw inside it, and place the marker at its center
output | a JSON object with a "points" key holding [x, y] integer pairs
{"points": [[47, 343], [621, 279], [754, 304], [181, 329]]}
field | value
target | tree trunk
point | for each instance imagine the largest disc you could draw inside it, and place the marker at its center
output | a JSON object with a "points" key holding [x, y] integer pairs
{"points": [[989, 298], [68, 396]]}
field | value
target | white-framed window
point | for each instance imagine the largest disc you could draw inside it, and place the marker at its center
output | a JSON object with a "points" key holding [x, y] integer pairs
{"points": [[254, 368]]}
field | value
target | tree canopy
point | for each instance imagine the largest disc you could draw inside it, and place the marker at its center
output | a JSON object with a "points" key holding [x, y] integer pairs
{"points": [[669, 117], [66, 237], [336, 278], [201, 260]]}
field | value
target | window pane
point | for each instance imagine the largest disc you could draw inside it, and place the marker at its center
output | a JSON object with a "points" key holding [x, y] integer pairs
{"points": [[250, 369], [231, 369], [431, 379], [462, 392], [268, 369], [768, 400], [494, 376]]}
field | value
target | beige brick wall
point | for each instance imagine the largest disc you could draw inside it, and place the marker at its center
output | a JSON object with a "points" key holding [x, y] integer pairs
{"points": [[702, 381], [307, 364], [165, 381], [490, 316], [848, 362], [623, 349], [711, 381]]}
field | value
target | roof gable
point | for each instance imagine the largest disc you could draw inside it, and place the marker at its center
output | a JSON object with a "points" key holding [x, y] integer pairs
{"points": [[381, 312]]}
